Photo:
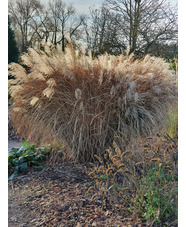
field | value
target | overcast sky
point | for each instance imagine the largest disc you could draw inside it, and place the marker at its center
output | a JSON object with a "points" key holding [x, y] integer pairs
{"points": [[82, 6]]}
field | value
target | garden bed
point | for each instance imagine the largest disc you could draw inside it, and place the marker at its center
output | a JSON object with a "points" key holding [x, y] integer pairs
{"points": [[60, 195], [57, 197]]}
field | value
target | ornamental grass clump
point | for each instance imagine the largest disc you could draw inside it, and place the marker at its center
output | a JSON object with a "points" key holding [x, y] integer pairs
{"points": [[69, 96]]}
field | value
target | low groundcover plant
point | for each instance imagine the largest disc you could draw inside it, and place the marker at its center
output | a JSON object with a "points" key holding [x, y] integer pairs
{"points": [[20, 159]]}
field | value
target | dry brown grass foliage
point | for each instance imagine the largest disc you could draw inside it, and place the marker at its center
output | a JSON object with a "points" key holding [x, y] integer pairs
{"points": [[86, 102]]}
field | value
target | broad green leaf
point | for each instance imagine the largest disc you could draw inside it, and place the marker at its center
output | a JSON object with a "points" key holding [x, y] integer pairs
{"points": [[15, 161], [12, 176], [14, 150], [26, 144], [23, 167], [10, 158], [39, 156], [34, 162]]}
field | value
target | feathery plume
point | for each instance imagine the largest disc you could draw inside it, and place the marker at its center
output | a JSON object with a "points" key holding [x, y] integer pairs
{"points": [[14, 90], [51, 83], [78, 93], [16, 109], [27, 60], [17, 71], [48, 92], [34, 100], [37, 76]]}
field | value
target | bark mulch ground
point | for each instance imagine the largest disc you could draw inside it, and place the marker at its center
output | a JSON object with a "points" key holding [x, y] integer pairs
{"points": [[57, 196]]}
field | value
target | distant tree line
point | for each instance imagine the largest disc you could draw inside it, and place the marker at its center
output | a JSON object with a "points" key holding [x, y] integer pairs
{"points": [[13, 52], [147, 26]]}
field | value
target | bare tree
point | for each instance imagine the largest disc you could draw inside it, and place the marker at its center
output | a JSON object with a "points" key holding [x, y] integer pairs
{"points": [[42, 25], [102, 34], [50, 22], [144, 22], [65, 21], [22, 13], [159, 26]]}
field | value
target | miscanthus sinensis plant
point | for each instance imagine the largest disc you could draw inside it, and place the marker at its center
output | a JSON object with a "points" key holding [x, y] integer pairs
{"points": [[87, 102]]}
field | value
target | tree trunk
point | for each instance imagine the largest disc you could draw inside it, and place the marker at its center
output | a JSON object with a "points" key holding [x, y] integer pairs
{"points": [[136, 24], [130, 34], [63, 42]]}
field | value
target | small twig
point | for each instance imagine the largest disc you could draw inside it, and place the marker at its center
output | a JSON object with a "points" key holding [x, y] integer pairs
{"points": [[172, 223], [170, 138], [12, 186]]}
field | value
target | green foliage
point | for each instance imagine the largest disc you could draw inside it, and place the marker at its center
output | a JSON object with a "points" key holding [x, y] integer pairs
{"points": [[156, 199], [173, 63], [13, 52], [19, 160], [172, 123]]}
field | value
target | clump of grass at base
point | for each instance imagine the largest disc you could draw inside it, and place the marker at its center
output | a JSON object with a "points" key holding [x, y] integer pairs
{"points": [[68, 96], [172, 123], [142, 180]]}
